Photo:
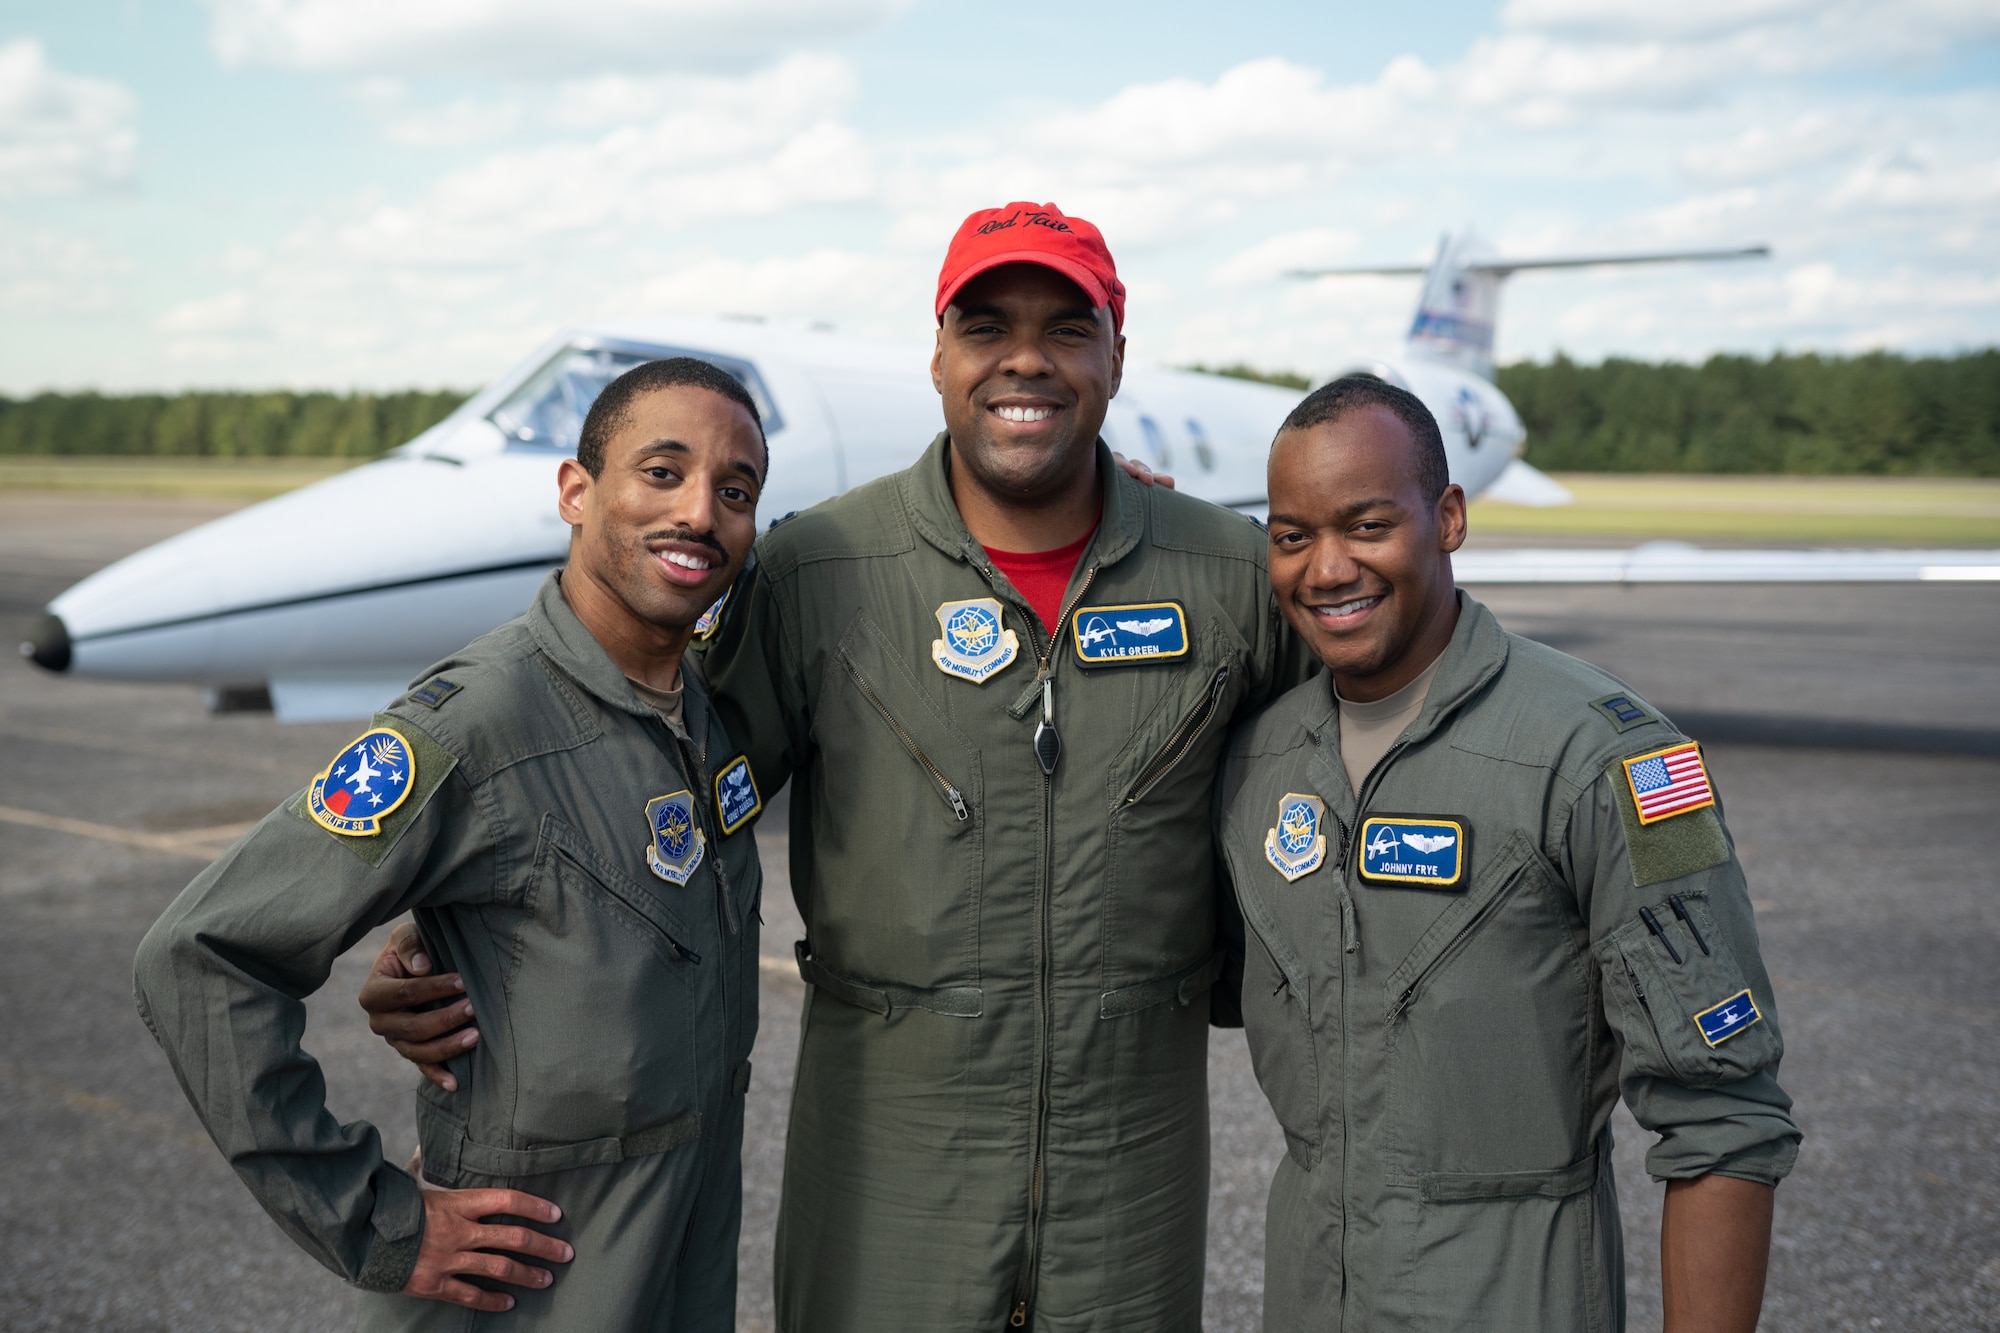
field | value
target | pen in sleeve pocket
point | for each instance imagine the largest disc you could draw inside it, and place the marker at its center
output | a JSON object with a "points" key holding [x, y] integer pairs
{"points": [[1653, 924]]}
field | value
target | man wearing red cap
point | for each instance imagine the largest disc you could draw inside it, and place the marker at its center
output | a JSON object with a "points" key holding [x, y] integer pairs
{"points": [[1000, 683]]}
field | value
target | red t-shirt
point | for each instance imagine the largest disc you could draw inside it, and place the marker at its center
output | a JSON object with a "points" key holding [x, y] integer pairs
{"points": [[1042, 576]]}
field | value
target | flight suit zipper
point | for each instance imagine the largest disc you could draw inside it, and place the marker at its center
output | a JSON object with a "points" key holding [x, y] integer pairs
{"points": [[951, 793], [1178, 744], [1045, 965]]}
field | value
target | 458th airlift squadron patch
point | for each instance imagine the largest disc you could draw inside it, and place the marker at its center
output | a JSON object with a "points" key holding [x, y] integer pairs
{"points": [[371, 777], [1295, 846]]}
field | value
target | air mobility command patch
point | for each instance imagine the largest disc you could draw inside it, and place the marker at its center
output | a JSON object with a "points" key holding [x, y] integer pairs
{"points": [[677, 842], [711, 619], [1295, 845], [1415, 851], [975, 644], [736, 796], [363, 785], [1127, 635], [1668, 782], [1720, 1022]]}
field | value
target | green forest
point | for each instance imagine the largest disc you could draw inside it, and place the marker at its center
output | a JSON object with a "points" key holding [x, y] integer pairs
{"points": [[219, 425], [1878, 414]]}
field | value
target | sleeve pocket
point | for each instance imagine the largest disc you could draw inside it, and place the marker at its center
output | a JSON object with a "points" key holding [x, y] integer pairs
{"points": [[1697, 1022]]}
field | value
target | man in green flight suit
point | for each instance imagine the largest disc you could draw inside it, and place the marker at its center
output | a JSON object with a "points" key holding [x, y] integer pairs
{"points": [[999, 683], [1483, 889], [561, 806]]}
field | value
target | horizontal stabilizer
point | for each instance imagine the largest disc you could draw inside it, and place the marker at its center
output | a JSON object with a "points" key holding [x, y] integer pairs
{"points": [[1519, 484], [1502, 267]]}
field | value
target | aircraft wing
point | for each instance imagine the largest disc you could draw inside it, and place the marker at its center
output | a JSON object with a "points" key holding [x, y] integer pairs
{"points": [[1678, 562]]}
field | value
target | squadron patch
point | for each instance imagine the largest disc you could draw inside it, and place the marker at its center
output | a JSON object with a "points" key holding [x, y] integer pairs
{"points": [[677, 842], [371, 777], [1719, 1023], [1420, 851], [1669, 782], [1114, 635], [975, 643], [736, 796], [711, 618], [1295, 845]]}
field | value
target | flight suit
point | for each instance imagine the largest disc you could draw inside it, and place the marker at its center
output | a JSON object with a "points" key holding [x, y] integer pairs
{"points": [[1001, 1109], [1447, 980], [616, 1006]]}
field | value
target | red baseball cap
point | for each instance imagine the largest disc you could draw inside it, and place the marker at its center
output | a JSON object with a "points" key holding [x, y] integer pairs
{"points": [[1026, 233]]}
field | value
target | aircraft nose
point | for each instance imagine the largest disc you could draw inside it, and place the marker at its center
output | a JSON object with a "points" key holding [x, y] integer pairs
{"points": [[48, 644]]}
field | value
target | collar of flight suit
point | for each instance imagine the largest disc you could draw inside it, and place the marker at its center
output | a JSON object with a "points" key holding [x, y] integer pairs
{"points": [[1475, 655], [927, 496], [578, 654]]}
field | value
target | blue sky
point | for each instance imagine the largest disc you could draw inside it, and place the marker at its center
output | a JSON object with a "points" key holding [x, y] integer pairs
{"points": [[377, 193]]}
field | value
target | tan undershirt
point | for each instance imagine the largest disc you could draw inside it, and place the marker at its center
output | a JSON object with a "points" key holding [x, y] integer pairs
{"points": [[667, 703], [1368, 730]]}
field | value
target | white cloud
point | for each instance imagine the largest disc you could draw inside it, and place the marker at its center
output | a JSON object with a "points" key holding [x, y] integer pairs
{"points": [[61, 133], [534, 38], [49, 273]]}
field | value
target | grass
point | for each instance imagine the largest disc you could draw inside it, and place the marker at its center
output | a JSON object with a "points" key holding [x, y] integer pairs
{"points": [[1871, 511], [187, 478]]}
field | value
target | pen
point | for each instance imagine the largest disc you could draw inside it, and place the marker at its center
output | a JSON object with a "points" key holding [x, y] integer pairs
{"points": [[1687, 919], [1653, 924]]}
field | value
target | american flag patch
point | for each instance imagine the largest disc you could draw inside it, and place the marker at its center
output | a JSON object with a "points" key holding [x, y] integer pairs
{"points": [[1669, 782]]}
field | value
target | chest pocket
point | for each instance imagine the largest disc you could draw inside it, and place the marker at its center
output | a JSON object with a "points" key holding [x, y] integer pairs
{"points": [[1277, 997], [1489, 1029], [600, 946], [1694, 1020], [897, 823]]}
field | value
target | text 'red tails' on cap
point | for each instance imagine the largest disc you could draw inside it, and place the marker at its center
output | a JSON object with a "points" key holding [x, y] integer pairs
{"points": [[1026, 233]]}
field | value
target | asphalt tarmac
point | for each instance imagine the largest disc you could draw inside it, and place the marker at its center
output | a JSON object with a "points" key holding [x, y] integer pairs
{"points": [[1851, 730]]}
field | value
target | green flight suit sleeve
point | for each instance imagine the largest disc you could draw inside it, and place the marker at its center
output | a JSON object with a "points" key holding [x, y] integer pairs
{"points": [[1225, 1003], [756, 682], [221, 981], [1699, 1044]]}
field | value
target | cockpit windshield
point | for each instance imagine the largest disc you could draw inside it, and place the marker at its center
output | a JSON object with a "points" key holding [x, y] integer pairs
{"points": [[547, 411]]}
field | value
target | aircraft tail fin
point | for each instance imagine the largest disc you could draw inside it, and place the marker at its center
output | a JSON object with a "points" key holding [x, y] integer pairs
{"points": [[1459, 307]]}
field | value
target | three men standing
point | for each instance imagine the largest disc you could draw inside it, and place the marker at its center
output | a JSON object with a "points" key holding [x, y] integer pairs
{"points": [[1001, 684]]}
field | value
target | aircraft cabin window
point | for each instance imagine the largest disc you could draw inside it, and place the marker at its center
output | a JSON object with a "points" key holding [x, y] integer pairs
{"points": [[547, 411], [1204, 453], [1156, 442]]}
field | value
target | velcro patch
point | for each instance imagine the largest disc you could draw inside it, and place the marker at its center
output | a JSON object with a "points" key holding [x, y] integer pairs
{"points": [[736, 795], [427, 766], [1718, 1023], [711, 619], [1623, 711], [1666, 849], [1413, 851], [1127, 635], [1668, 782], [435, 691]]}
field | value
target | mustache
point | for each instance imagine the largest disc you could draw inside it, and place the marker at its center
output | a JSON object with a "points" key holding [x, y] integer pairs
{"points": [[688, 535]]}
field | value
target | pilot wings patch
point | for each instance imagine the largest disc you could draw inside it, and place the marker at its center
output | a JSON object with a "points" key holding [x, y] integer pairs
{"points": [[1127, 635]]}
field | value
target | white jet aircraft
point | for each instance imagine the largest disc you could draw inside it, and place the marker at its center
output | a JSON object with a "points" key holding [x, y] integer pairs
{"points": [[328, 601]]}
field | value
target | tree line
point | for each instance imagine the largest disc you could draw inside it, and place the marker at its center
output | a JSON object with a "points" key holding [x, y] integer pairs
{"points": [[220, 425], [1879, 413]]}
